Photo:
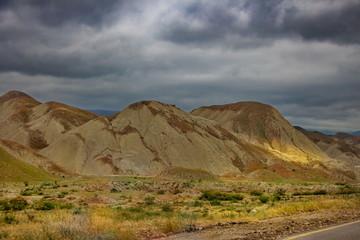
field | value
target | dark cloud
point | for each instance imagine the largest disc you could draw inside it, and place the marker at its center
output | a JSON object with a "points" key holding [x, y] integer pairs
{"points": [[272, 19], [56, 13], [302, 57]]}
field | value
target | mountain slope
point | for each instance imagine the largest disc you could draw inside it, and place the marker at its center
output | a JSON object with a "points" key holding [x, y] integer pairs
{"points": [[13, 169], [262, 125], [34, 124], [342, 146]]}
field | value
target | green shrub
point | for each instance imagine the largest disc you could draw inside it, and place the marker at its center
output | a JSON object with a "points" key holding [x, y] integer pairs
{"points": [[65, 205], [150, 200], [221, 196], [77, 211], [255, 193], [4, 205], [197, 204], [320, 192], [167, 208], [10, 219], [45, 205], [114, 190], [215, 202], [160, 192], [18, 203], [264, 199]]}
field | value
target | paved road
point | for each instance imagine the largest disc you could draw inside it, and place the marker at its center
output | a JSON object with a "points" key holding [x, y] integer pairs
{"points": [[347, 231]]}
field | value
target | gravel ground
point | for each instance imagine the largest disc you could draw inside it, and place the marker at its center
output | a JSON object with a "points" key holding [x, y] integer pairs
{"points": [[271, 228]]}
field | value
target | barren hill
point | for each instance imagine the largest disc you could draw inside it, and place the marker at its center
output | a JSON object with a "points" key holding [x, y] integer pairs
{"points": [[34, 124], [343, 146], [262, 125], [249, 140]]}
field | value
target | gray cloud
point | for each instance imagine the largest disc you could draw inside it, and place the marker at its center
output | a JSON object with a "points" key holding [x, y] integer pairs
{"points": [[302, 57]]}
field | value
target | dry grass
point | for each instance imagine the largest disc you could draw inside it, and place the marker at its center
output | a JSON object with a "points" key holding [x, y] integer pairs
{"points": [[128, 216]]}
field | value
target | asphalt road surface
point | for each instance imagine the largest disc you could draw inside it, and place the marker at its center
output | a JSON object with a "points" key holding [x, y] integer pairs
{"points": [[347, 231]]}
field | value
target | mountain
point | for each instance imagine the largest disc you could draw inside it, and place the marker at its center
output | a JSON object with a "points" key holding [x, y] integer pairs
{"points": [[342, 146], [34, 124], [262, 125], [248, 140]]}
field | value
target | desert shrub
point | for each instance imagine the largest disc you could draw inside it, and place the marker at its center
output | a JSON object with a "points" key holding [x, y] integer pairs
{"points": [[114, 190], [264, 199], [4, 234], [197, 204], [45, 205], [10, 219], [255, 193], [276, 197], [4, 205], [215, 202], [340, 184], [65, 205], [18, 203], [26, 192], [78, 211], [160, 192], [280, 191], [221, 196], [137, 213], [176, 191], [320, 192], [150, 200], [167, 208]]}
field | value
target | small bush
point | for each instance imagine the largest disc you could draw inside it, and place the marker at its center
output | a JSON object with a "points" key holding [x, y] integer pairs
{"points": [[77, 211], [160, 192], [255, 193], [45, 205], [280, 191], [65, 205], [197, 204], [18, 203], [320, 192], [176, 191], [3, 234], [167, 208], [215, 202], [10, 219], [150, 200], [114, 190], [264, 199], [276, 197]]}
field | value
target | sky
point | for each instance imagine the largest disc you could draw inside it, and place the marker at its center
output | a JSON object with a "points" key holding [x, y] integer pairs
{"points": [[302, 57]]}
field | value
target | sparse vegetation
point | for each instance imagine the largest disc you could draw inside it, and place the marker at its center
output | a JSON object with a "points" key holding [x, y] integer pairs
{"points": [[88, 208]]}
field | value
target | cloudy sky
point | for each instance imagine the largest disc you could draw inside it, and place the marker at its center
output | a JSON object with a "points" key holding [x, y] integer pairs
{"points": [[303, 57]]}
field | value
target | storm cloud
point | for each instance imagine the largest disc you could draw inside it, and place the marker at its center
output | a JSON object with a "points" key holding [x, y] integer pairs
{"points": [[303, 57]]}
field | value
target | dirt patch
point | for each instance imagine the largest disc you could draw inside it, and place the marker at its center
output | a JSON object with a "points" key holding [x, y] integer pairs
{"points": [[272, 228], [37, 140]]}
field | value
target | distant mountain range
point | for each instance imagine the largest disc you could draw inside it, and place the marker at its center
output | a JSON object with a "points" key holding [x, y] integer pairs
{"points": [[247, 140]]}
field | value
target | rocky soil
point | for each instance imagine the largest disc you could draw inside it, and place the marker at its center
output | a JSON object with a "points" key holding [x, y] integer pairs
{"points": [[271, 228]]}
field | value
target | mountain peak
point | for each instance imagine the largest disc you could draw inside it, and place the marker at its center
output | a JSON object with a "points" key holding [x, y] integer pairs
{"points": [[241, 106], [13, 94]]}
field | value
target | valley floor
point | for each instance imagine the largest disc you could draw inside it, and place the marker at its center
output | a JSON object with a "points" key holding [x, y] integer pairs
{"points": [[126, 208]]}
